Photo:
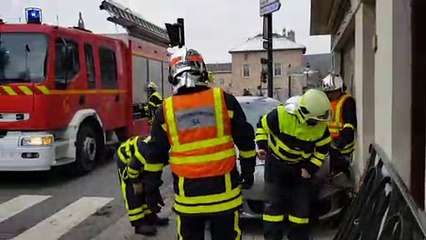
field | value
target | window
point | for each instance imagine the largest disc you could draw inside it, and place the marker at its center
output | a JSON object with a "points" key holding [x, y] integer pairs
{"points": [[90, 64], [63, 72], [108, 63], [277, 69], [246, 71], [23, 57]]}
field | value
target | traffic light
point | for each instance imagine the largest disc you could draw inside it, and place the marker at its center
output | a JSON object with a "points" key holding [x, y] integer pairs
{"points": [[264, 72]]}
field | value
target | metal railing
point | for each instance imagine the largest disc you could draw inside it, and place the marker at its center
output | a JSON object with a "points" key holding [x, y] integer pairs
{"points": [[383, 208]]}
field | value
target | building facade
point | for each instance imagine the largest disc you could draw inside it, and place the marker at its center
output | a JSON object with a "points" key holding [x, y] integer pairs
{"points": [[247, 67], [222, 74], [372, 45]]}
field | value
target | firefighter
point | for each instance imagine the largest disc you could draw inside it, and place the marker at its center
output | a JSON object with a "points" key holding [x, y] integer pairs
{"points": [[342, 126], [154, 101], [294, 139], [130, 158], [200, 125]]}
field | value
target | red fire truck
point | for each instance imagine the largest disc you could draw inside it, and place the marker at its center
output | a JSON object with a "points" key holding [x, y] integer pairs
{"points": [[66, 93]]}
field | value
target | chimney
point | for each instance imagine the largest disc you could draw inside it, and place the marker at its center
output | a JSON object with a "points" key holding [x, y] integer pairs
{"points": [[284, 32], [291, 35]]}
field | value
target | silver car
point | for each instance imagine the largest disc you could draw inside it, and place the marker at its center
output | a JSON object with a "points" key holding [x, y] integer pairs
{"points": [[255, 108]]}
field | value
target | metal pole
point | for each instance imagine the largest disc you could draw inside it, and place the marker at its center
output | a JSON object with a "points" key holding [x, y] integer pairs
{"points": [[270, 57], [289, 86]]}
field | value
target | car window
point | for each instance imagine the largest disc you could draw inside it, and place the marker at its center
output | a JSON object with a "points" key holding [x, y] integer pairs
{"points": [[256, 109]]}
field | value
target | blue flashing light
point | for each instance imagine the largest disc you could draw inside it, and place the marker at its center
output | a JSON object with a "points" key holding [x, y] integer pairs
{"points": [[33, 15]]}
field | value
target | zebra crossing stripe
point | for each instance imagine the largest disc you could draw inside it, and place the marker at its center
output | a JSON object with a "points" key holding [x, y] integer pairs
{"points": [[55, 226], [19, 204]]}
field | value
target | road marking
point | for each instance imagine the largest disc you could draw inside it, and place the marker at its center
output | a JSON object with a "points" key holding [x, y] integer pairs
{"points": [[19, 204], [55, 226]]}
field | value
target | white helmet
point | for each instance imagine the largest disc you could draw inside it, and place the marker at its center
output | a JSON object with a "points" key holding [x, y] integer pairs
{"points": [[152, 86], [332, 82], [187, 68], [314, 105]]}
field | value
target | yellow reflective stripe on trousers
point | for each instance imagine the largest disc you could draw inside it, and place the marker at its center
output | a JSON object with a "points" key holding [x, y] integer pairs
{"points": [[136, 217], [179, 226], [135, 211], [217, 92], [237, 225], [298, 220], [170, 118], [247, 154], [323, 142], [273, 218], [201, 144], [204, 158], [213, 208]]}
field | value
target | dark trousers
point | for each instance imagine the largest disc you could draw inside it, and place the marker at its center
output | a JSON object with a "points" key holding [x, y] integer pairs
{"points": [[222, 226], [289, 197], [135, 204]]}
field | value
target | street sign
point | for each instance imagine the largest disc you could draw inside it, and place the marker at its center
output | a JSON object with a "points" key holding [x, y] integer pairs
{"points": [[269, 6]]}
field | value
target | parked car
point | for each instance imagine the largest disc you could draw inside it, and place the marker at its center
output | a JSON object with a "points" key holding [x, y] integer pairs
{"points": [[255, 108], [336, 189]]}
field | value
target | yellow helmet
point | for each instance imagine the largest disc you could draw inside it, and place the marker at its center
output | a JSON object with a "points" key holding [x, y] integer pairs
{"points": [[314, 105]]}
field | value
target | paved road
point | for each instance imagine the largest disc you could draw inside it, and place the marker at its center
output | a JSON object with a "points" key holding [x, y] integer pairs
{"points": [[58, 206]]}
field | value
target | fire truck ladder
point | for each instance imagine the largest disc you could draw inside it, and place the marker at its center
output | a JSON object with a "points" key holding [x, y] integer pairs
{"points": [[134, 24]]}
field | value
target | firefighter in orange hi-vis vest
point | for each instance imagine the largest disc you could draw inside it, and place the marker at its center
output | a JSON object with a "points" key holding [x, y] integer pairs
{"points": [[198, 128], [343, 125]]}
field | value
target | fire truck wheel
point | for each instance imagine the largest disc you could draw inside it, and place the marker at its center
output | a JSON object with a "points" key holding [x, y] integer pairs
{"points": [[87, 149]]}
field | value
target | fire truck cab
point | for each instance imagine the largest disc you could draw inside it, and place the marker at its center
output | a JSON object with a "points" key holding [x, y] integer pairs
{"points": [[66, 94]]}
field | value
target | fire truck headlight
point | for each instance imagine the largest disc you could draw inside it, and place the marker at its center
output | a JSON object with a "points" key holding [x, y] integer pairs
{"points": [[37, 141]]}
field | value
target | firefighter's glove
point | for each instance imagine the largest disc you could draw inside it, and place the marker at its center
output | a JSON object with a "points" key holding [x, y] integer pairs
{"points": [[247, 172], [339, 163], [137, 188], [154, 200], [246, 180]]}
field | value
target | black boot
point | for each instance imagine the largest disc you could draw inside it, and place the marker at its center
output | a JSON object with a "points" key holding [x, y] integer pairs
{"points": [[146, 230], [154, 220]]}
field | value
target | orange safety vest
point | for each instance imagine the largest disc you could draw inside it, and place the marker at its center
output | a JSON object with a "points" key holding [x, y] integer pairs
{"points": [[336, 124], [199, 132]]}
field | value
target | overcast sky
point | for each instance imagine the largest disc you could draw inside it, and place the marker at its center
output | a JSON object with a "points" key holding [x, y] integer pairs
{"points": [[212, 26]]}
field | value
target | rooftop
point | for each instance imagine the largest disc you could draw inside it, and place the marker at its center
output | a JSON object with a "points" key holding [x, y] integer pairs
{"points": [[255, 44], [219, 67]]}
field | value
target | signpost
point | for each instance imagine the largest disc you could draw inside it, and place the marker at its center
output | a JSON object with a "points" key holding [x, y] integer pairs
{"points": [[267, 7]]}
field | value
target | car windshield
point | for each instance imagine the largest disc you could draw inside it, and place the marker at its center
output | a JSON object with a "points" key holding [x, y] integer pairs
{"points": [[23, 57], [254, 110]]}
